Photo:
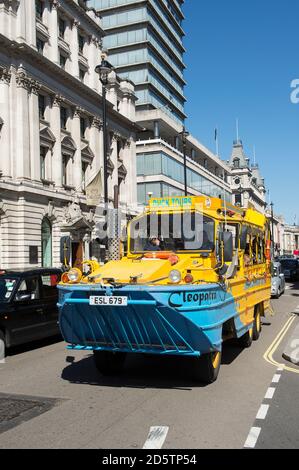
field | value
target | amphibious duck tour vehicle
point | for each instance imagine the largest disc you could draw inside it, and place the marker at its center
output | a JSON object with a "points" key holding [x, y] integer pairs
{"points": [[196, 273]]}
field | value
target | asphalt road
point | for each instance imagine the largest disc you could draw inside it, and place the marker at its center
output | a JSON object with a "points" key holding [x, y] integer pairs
{"points": [[90, 411]]}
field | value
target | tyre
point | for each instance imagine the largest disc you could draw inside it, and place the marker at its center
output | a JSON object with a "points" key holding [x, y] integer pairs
{"points": [[2, 346], [246, 340], [206, 368], [257, 325], [109, 362], [278, 293]]}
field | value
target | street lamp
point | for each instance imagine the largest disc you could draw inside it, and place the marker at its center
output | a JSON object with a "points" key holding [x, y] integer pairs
{"points": [[272, 224], [103, 70], [184, 134]]}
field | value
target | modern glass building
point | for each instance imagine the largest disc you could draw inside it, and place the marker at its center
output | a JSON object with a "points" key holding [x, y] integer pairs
{"points": [[145, 43], [144, 39]]}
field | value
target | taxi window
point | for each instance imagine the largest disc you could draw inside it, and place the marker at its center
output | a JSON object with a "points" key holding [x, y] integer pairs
{"points": [[49, 283], [6, 288], [28, 290]]}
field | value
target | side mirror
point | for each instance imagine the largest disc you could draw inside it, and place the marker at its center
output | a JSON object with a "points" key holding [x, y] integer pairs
{"points": [[281, 275], [22, 297], [228, 251]]}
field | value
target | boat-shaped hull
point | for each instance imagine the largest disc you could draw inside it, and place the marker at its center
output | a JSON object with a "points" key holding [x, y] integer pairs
{"points": [[182, 320]]}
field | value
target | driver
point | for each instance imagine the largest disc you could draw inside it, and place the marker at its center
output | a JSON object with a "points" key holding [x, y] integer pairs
{"points": [[153, 244]]}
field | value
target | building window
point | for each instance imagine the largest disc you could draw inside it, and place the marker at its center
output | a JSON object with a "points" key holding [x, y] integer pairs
{"points": [[43, 156], [81, 41], [82, 127], [84, 171], [236, 163], [41, 106], [63, 117], [82, 75], [62, 27], [65, 161], [40, 45], [39, 9], [46, 244], [238, 200], [62, 61]]}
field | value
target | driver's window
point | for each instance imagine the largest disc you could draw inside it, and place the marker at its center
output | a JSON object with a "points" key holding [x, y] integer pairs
{"points": [[28, 290]]}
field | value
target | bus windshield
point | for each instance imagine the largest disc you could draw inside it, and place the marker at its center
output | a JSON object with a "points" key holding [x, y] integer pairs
{"points": [[188, 231]]}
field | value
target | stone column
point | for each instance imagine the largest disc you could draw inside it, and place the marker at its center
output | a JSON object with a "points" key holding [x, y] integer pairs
{"points": [[5, 104], [53, 31], [96, 48], [22, 126], [131, 165], [56, 129], [113, 179], [74, 46], [34, 131], [30, 22], [96, 144], [26, 23], [76, 135]]}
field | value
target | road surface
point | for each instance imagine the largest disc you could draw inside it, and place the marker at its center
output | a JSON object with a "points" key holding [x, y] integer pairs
{"points": [[61, 401]]}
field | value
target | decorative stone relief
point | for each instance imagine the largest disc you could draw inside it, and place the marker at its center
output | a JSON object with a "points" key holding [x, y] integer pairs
{"points": [[5, 75], [22, 79]]}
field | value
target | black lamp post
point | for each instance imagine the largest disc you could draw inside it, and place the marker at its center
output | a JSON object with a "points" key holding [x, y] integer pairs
{"points": [[103, 70], [184, 134]]}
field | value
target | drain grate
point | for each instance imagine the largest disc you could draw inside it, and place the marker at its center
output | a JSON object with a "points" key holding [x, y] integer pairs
{"points": [[16, 409]]}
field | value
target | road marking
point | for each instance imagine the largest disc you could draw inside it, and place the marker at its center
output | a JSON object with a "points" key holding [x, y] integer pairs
{"points": [[276, 378], [280, 369], [252, 438], [156, 437], [262, 413], [268, 356], [270, 393]]}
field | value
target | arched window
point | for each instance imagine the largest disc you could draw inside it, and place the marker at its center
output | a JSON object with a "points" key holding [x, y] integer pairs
{"points": [[236, 163], [46, 243]]}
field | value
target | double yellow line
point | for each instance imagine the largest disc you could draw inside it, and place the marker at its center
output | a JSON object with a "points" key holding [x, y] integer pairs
{"points": [[268, 356]]}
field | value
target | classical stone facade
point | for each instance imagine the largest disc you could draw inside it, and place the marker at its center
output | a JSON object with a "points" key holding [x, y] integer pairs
{"points": [[291, 239], [248, 186], [51, 136]]}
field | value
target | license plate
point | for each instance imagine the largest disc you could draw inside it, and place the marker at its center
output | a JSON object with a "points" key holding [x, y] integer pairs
{"points": [[114, 301]]}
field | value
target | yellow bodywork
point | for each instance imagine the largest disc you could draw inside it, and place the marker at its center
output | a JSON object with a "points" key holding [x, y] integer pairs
{"points": [[251, 283]]}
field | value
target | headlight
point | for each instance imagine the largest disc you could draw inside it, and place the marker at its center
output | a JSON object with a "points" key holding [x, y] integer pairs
{"points": [[74, 275], [175, 276]]}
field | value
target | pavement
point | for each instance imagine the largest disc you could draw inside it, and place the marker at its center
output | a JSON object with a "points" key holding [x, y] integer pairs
{"points": [[156, 398]]}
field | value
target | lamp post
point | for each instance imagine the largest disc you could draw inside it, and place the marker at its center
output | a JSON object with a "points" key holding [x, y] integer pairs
{"points": [[272, 229], [103, 70], [184, 134]]}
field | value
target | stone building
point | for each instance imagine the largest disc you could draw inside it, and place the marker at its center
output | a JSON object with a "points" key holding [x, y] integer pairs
{"points": [[248, 186], [291, 240], [51, 136]]}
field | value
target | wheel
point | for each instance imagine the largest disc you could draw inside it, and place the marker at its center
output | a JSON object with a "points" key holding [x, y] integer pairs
{"points": [[109, 362], [246, 340], [278, 293], [2, 346], [206, 368], [257, 325]]}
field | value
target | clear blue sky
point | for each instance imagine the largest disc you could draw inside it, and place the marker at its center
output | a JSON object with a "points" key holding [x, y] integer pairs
{"points": [[241, 59]]}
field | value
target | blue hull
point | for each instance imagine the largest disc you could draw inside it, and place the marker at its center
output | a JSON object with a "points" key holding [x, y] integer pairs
{"points": [[158, 320]]}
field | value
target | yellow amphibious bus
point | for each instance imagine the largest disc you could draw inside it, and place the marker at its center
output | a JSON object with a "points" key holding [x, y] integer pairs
{"points": [[196, 273]]}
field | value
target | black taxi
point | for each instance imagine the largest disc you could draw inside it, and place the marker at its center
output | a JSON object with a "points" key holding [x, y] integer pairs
{"points": [[28, 306]]}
